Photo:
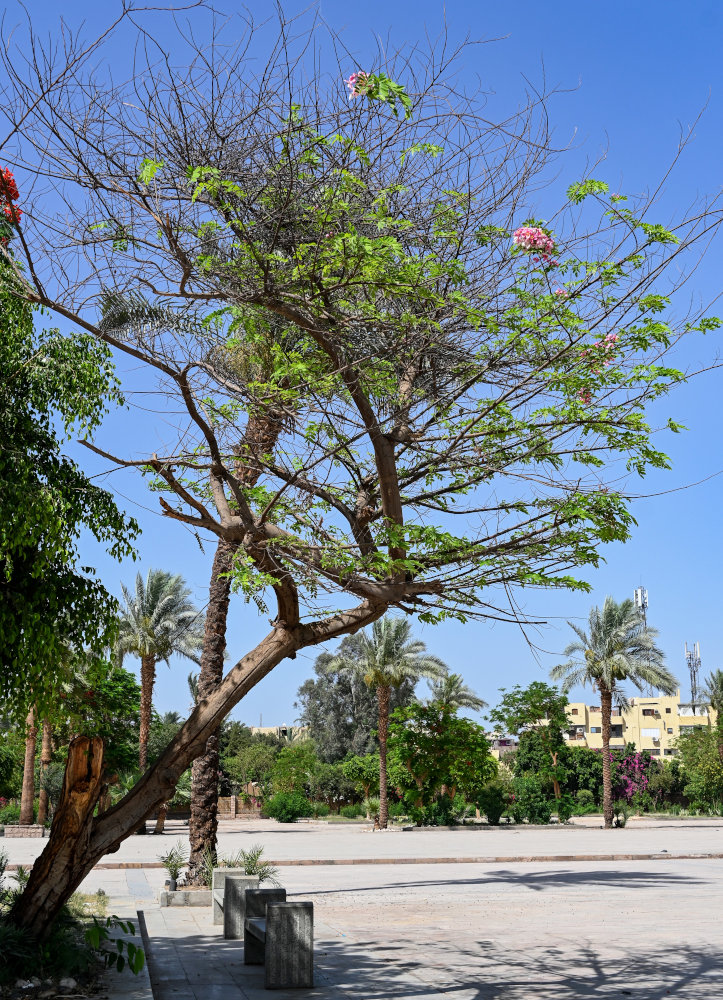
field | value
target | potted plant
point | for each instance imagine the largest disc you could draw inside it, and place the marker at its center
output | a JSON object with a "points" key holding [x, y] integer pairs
{"points": [[174, 862]]}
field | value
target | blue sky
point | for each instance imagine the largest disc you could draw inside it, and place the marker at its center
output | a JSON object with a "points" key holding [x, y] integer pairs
{"points": [[631, 76]]}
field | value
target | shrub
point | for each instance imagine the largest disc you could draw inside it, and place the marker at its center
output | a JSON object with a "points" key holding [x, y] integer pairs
{"points": [[252, 862], [10, 814], [319, 809], [492, 801], [287, 807], [531, 801], [565, 807], [371, 807], [352, 811]]}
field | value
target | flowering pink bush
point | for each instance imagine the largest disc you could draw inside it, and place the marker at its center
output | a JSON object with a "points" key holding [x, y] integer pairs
{"points": [[358, 84], [534, 238], [632, 775]]}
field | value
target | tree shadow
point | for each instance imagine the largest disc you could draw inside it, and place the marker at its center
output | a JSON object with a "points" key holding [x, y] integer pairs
{"points": [[402, 963], [538, 881]]}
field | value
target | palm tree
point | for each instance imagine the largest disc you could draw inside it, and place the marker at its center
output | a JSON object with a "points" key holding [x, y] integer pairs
{"points": [[617, 647], [452, 691], [714, 693], [157, 621], [27, 797], [385, 659]]}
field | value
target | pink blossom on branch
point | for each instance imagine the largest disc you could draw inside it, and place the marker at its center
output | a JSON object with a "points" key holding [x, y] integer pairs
{"points": [[358, 84], [534, 238]]}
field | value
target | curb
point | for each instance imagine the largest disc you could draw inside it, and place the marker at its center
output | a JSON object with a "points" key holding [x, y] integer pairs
{"points": [[492, 860]]}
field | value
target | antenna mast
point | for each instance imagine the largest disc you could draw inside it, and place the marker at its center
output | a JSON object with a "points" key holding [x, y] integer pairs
{"points": [[692, 659], [641, 603]]}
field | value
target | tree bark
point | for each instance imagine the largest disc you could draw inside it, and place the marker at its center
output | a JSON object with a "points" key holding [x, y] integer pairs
{"points": [[46, 756], [161, 818], [606, 702], [203, 826], [27, 796], [62, 865], [383, 696], [148, 676]]}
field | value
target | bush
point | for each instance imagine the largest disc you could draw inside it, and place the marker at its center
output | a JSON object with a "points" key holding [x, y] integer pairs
{"points": [[287, 807], [371, 807], [531, 802], [319, 809], [9, 814], [352, 811], [396, 810], [565, 807], [492, 801]]}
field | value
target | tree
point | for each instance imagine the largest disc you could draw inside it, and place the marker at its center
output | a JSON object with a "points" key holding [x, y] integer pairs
{"points": [[702, 768], [385, 660], [27, 798], [448, 412], [157, 621], [714, 694], [539, 708], [434, 756], [341, 711], [363, 771], [617, 647], [52, 385], [451, 690], [293, 768]]}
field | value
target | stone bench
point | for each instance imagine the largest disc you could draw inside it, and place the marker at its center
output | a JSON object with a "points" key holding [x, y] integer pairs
{"points": [[280, 936], [219, 888]]}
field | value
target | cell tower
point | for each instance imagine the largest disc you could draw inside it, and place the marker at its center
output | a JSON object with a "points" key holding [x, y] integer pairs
{"points": [[641, 603], [692, 659]]}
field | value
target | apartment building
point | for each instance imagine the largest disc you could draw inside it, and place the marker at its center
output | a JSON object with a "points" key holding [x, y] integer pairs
{"points": [[651, 723]]}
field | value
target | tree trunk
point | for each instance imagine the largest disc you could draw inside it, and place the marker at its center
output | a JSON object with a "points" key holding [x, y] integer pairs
{"points": [[62, 865], [606, 702], [27, 797], [148, 676], [555, 782], [203, 826], [161, 818], [71, 854], [383, 696], [46, 756]]}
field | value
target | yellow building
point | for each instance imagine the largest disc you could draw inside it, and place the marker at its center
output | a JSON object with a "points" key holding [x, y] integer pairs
{"points": [[652, 724]]}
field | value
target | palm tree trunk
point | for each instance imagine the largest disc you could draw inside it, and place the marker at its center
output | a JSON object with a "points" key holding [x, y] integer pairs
{"points": [[606, 704], [27, 797], [148, 676], [203, 826], [46, 755], [161, 818], [383, 697]]}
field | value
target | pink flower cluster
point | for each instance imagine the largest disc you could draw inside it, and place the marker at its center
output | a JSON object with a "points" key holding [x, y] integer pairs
{"points": [[8, 194], [358, 84], [534, 238]]}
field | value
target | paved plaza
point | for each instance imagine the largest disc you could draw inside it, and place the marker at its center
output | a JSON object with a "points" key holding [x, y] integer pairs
{"points": [[419, 927]]}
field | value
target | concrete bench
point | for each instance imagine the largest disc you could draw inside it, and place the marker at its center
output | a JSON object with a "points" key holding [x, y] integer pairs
{"points": [[219, 892], [280, 936]]}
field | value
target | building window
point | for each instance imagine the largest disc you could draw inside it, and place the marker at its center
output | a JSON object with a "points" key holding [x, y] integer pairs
{"points": [[574, 711], [616, 731], [667, 711], [655, 752], [648, 711], [651, 734], [595, 729], [669, 752], [670, 730]]}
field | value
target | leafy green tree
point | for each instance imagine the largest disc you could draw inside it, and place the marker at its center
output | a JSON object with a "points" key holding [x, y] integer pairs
{"points": [[617, 647], [386, 659], [51, 385], [157, 621], [330, 784], [434, 756], [451, 690], [342, 712], [253, 763], [702, 768], [294, 767], [584, 771], [714, 694], [363, 771], [438, 374], [541, 708]]}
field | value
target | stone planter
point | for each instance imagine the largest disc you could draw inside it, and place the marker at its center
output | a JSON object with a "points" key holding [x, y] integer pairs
{"points": [[185, 897], [33, 830]]}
